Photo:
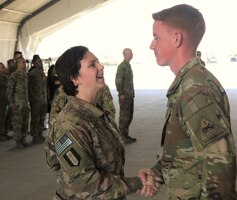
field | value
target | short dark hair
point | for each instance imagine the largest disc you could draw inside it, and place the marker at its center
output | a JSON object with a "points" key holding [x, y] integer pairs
{"points": [[67, 67], [35, 57], [18, 60], [184, 17], [17, 52]]}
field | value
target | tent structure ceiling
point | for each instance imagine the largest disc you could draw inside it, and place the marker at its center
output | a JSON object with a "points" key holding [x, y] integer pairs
{"points": [[24, 23]]}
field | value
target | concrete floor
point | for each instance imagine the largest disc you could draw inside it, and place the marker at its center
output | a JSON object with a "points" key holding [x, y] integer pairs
{"points": [[24, 174]]}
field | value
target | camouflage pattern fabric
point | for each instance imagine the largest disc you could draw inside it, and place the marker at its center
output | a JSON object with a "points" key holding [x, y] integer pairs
{"points": [[124, 80], [38, 100], [3, 103], [85, 149], [105, 100], [59, 101], [126, 115], [124, 85], [197, 117], [19, 103]]}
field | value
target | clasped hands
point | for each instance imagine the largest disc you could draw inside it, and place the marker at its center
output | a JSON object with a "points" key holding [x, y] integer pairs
{"points": [[151, 182]]}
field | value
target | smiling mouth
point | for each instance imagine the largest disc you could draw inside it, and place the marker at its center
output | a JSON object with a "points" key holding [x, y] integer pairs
{"points": [[100, 77]]}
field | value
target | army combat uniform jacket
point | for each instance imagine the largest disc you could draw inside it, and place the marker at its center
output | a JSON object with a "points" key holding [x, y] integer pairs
{"points": [[37, 86], [84, 147], [17, 89], [105, 100], [124, 80], [197, 117]]}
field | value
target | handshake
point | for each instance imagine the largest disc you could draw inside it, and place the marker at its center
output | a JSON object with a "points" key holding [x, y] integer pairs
{"points": [[151, 180]]}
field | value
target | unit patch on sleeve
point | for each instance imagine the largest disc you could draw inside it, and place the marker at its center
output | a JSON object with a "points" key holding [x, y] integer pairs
{"points": [[72, 158], [62, 144]]}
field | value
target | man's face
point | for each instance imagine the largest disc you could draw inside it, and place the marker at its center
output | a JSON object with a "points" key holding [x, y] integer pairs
{"points": [[38, 63], [162, 44], [18, 55], [2, 68], [22, 64]]}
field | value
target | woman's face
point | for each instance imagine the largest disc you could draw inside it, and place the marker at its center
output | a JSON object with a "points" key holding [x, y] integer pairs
{"points": [[91, 74]]}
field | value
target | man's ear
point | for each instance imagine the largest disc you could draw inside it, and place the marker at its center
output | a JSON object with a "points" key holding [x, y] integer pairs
{"points": [[178, 39]]}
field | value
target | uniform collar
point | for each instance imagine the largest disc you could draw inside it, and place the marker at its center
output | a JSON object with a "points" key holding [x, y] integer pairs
{"points": [[86, 109], [179, 77]]}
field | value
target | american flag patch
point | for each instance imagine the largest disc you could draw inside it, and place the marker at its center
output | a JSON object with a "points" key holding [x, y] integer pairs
{"points": [[62, 144]]}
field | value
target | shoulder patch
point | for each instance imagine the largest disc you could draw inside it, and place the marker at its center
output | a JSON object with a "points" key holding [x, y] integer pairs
{"points": [[72, 157], [62, 144]]}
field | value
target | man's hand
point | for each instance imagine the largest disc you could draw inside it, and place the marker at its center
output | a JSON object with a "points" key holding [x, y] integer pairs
{"points": [[151, 182]]}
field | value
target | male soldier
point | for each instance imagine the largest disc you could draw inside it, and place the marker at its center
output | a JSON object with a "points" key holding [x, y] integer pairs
{"points": [[11, 67], [37, 98], [124, 85], [19, 103], [199, 155], [17, 54], [3, 103], [199, 54]]}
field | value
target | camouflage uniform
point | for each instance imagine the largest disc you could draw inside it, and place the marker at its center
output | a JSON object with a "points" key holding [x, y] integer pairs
{"points": [[11, 68], [105, 100], [198, 115], [19, 103], [38, 101], [59, 101], [84, 147], [124, 85], [3, 104]]}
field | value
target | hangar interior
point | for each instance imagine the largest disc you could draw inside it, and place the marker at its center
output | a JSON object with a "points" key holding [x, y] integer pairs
{"points": [[24, 23]]}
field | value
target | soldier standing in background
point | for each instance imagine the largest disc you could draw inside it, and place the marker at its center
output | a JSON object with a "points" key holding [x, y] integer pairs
{"points": [[19, 103], [3, 103], [125, 88], [199, 54], [17, 54], [11, 67], [37, 98]]}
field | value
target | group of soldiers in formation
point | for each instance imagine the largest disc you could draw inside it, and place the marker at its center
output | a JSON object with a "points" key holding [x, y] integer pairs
{"points": [[24, 99]]}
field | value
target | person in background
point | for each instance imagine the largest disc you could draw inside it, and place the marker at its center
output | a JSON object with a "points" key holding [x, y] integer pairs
{"points": [[11, 67], [52, 85], [17, 90], [199, 54], [3, 102], [84, 145], [125, 88], [199, 156], [37, 98], [17, 54]]}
